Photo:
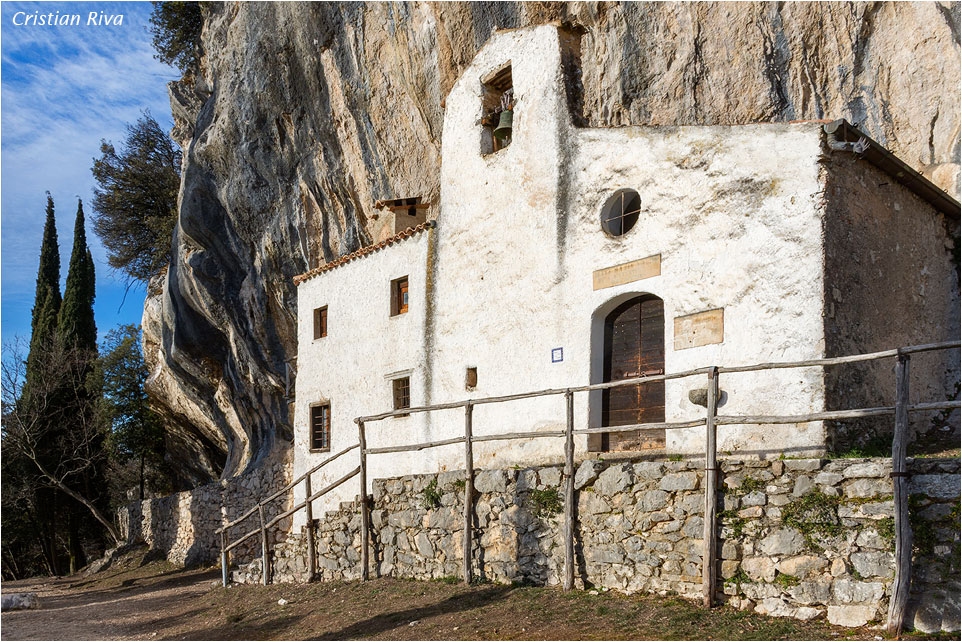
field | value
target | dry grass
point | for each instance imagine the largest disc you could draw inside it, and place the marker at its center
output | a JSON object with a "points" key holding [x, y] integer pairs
{"points": [[138, 599]]}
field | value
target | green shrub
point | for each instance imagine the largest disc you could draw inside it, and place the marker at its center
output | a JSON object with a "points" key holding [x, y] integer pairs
{"points": [[430, 496], [176, 28]]}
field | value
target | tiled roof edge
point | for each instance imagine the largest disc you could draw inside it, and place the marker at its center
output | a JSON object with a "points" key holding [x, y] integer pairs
{"points": [[364, 251]]}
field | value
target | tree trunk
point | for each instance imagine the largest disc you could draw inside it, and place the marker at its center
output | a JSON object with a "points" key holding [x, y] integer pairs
{"points": [[78, 559], [114, 535], [141, 476]]}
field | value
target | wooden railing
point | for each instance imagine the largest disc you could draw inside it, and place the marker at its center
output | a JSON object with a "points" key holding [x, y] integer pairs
{"points": [[226, 547], [901, 409]]}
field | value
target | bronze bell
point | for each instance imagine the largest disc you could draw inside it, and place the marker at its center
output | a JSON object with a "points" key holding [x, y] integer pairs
{"points": [[503, 130]]}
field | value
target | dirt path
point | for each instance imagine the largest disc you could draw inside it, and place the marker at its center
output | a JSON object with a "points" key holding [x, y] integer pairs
{"points": [[141, 600], [120, 606]]}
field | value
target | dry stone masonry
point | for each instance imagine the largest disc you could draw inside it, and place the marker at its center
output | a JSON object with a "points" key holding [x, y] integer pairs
{"points": [[181, 526], [802, 538]]}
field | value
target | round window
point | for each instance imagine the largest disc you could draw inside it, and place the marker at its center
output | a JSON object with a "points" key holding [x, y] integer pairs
{"points": [[620, 212]]}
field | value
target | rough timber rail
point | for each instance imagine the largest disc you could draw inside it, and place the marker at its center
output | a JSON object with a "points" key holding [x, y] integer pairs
{"points": [[903, 538]]}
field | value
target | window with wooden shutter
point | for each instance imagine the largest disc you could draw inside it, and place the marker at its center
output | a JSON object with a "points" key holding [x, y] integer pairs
{"points": [[402, 393], [321, 427], [399, 296], [320, 322]]}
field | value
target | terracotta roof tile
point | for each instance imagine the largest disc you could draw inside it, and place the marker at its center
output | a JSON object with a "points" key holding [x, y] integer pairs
{"points": [[364, 251]]}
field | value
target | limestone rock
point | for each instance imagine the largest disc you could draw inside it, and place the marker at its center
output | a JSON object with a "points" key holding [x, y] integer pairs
{"points": [[490, 481], [873, 563], [802, 565], [587, 473], [759, 568], [679, 481], [936, 486], [784, 541], [615, 479], [848, 591], [18, 601], [850, 615]]}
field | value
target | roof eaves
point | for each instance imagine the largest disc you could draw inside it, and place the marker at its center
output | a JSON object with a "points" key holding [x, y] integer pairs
{"points": [[364, 251], [845, 137]]}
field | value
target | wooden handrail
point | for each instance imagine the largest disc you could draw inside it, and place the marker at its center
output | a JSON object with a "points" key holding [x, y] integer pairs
{"points": [[284, 490], [830, 361], [831, 415]]}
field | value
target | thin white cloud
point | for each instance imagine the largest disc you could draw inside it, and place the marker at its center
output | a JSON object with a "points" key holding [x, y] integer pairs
{"points": [[62, 90]]}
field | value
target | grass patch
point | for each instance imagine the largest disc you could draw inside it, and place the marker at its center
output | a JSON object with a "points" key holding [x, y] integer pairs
{"points": [[814, 515], [739, 578], [731, 519], [448, 579], [785, 580], [545, 503]]}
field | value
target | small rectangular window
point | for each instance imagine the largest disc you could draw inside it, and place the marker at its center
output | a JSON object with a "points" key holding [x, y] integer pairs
{"points": [[321, 427], [320, 322], [471, 379], [402, 393], [399, 296]]}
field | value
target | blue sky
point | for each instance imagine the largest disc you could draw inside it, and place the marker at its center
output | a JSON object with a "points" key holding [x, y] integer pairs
{"points": [[62, 90]]}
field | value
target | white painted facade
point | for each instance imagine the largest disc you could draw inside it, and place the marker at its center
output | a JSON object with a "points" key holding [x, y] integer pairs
{"points": [[735, 214]]}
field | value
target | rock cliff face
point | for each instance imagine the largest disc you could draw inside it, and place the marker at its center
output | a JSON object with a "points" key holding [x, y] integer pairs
{"points": [[302, 115]]}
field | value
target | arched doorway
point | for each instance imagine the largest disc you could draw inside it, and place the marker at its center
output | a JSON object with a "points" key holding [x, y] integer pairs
{"points": [[634, 345]]}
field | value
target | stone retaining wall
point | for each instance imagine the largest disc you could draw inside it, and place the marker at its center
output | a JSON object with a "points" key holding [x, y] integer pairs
{"points": [[182, 525], [800, 537]]}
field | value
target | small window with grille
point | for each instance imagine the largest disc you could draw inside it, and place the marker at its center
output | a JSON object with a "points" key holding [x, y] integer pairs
{"points": [[399, 296], [620, 212], [321, 427], [402, 393]]}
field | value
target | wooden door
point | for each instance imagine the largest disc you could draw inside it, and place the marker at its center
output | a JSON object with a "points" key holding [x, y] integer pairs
{"points": [[634, 346]]}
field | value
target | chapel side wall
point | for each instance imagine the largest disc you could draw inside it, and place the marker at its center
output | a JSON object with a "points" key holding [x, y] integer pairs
{"points": [[891, 280]]}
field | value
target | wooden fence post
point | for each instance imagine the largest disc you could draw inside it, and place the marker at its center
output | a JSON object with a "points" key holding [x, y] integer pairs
{"points": [[224, 562], [468, 491], [569, 524], [311, 553], [903, 529], [265, 558], [363, 504], [711, 486]]}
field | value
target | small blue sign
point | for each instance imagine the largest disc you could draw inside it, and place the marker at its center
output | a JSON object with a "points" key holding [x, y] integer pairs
{"points": [[557, 355]]}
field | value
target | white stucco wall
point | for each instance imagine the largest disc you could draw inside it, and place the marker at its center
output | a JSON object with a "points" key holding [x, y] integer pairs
{"points": [[353, 365], [735, 213]]}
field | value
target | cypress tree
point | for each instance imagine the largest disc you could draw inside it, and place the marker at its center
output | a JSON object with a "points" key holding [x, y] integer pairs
{"points": [[76, 326], [76, 329], [46, 304], [46, 309]]}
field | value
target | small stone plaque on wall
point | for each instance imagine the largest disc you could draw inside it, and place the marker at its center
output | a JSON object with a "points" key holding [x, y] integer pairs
{"points": [[700, 329], [627, 272]]}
